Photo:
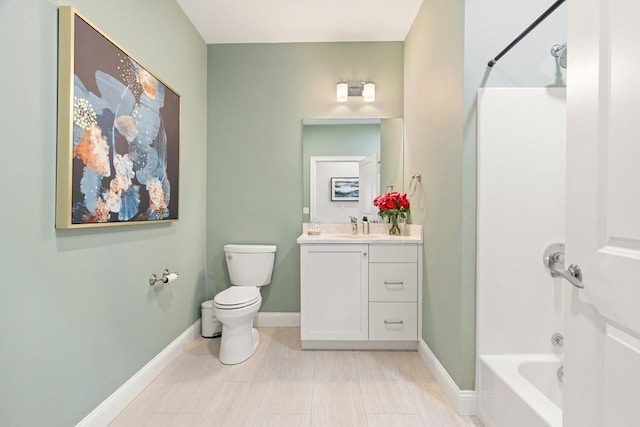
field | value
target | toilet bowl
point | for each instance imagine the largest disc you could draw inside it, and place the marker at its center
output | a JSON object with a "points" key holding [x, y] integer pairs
{"points": [[250, 267]]}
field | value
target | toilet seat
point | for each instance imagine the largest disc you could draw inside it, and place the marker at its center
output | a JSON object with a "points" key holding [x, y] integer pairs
{"points": [[236, 297]]}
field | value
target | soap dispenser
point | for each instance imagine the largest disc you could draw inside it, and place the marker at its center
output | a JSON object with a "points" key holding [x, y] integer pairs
{"points": [[365, 225]]}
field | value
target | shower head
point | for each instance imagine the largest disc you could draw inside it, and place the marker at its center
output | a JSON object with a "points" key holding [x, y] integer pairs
{"points": [[560, 52]]}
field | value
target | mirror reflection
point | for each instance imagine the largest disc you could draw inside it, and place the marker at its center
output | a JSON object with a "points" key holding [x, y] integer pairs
{"points": [[346, 163]]}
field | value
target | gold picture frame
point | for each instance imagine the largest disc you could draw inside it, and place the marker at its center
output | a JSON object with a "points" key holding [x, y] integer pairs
{"points": [[118, 133]]}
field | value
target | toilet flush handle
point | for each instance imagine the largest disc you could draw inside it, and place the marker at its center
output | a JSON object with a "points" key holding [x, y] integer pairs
{"points": [[229, 256]]}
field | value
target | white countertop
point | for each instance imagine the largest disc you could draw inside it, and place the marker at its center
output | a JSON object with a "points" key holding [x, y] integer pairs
{"points": [[378, 233]]}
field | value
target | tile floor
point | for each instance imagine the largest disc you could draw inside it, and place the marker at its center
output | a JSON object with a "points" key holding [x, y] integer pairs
{"points": [[283, 386]]}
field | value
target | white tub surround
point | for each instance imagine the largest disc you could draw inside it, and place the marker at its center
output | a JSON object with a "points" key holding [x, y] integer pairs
{"points": [[521, 211], [360, 291]]}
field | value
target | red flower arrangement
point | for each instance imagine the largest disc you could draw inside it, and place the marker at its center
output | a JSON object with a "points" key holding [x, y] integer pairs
{"points": [[393, 206]]}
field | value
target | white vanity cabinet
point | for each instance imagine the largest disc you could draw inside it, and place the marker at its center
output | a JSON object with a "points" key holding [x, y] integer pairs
{"points": [[360, 293], [333, 293]]}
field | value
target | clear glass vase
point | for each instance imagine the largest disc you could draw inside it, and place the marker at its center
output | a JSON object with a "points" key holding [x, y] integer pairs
{"points": [[394, 228]]}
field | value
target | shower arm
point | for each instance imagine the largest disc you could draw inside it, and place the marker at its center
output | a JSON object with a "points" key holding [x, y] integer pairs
{"points": [[535, 23]]}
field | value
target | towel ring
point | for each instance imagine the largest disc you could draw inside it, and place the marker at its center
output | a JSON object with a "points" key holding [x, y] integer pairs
{"points": [[416, 179]]}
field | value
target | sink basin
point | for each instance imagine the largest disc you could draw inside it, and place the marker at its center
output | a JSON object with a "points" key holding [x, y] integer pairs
{"points": [[341, 234], [359, 236]]}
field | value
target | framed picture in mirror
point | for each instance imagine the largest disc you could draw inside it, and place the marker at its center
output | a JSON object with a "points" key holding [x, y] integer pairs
{"points": [[345, 189]]}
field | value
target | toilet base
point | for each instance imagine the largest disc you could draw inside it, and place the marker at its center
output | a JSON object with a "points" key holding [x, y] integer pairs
{"points": [[238, 343]]}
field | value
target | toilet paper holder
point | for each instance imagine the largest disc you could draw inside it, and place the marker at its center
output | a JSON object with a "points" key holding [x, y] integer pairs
{"points": [[166, 277]]}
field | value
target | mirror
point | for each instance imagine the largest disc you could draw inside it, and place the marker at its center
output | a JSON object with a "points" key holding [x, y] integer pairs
{"points": [[346, 163]]}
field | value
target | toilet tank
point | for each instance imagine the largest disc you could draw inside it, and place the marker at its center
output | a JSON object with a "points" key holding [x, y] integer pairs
{"points": [[250, 265]]}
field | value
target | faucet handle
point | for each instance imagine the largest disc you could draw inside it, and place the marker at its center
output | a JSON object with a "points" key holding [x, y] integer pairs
{"points": [[354, 225]]}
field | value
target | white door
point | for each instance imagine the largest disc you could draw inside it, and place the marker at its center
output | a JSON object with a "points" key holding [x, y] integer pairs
{"points": [[369, 173], [602, 329]]}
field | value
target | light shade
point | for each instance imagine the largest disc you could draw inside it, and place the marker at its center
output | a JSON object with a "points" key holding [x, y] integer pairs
{"points": [[369, 92], [342, 92]]}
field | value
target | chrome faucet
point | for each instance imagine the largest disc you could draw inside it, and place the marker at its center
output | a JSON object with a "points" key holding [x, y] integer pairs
{"points": [[354, 225]]}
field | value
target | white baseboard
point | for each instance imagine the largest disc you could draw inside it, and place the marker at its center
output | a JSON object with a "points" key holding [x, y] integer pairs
{"points": [[464, 401], [108, 410], [277, 320]]}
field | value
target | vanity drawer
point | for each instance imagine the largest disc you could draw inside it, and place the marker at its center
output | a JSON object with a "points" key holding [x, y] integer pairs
{"points": [[393, 321], [393, 282], [381, 252]]}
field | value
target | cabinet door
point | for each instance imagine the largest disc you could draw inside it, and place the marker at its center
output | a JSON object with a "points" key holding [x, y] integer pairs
{"points": [[334, 292]]}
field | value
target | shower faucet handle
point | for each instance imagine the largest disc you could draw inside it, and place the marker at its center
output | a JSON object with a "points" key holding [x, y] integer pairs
{"points": [[557, 339], [557, 257], [553, 259]]}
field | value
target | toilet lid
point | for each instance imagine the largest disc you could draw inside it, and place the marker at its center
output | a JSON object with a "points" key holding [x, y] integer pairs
{"points": [[237, 295]]}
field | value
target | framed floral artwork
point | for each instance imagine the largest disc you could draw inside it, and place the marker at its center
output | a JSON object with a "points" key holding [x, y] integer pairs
{"points": [[118, 133], [345, 189]]}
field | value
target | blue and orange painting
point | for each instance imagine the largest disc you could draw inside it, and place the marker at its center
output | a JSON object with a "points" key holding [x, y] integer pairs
{"points": [[125, 136]]}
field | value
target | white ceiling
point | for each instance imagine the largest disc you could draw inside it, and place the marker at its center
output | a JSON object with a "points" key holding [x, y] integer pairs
{"points": [[289, 21]]}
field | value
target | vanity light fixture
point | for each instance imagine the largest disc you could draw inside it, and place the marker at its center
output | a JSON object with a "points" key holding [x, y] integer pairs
{"points": [[366, 90], [342, 91], [369, 91]]}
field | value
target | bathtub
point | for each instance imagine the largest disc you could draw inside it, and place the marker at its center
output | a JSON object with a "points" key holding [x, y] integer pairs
{"points": [[519, 390]]}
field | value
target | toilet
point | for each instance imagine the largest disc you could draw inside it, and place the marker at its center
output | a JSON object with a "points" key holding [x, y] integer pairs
{"points": [[250, 267]]}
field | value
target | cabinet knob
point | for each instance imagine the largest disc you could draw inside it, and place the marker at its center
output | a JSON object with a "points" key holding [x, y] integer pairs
{"points": [[364, 254]]}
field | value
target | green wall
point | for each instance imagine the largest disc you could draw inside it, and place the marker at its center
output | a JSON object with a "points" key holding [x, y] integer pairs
{"points": [[433, 146], [446, 53], [258, 96], [77, 315]]}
